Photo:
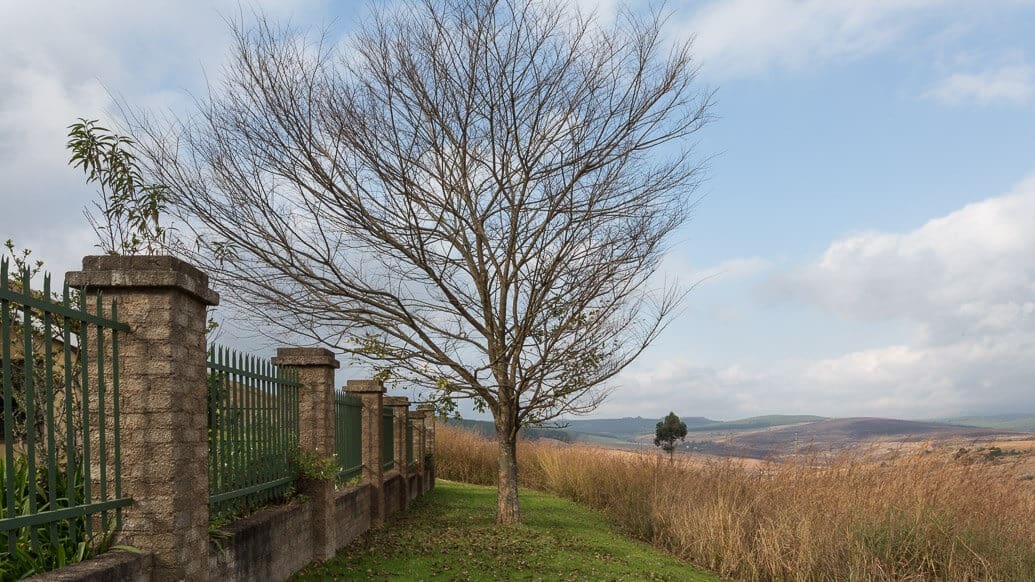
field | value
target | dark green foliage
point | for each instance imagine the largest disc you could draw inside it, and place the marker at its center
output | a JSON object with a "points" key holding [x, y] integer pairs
{"points": [[668, 431], [130, 207], [57, 544]]}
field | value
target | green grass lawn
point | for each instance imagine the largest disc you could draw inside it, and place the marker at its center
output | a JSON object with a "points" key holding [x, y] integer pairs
{"points": [[450, 534]]}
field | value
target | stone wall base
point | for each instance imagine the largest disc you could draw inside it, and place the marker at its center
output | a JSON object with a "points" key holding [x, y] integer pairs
{"points": [[117, 565]]}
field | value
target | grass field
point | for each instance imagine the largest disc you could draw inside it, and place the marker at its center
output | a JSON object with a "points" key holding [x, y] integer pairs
{"points": [[450, 534], [925, 514]]}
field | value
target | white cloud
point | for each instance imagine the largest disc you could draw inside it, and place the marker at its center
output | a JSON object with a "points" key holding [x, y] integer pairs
{"points": [[965, 282], [737, 37], [1011, 85], [59, 61], [972, 271]]}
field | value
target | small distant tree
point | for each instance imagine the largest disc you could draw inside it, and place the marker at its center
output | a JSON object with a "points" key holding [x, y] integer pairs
{"points": [[669, 431], [129, 208]]}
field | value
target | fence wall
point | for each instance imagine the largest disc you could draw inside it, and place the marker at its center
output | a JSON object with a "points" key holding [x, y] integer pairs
{"points": [[253, 429], [201, 435], [61, 463]]}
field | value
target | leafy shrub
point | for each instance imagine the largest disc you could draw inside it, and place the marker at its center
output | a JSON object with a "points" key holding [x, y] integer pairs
{"points": [[59, 544]]}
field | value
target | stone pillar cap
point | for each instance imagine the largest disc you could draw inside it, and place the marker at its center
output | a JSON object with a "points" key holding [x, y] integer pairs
{"points": [[305, 357], [396, 401], [430, 407], [416, 413], [365, 386], [142, 271]]}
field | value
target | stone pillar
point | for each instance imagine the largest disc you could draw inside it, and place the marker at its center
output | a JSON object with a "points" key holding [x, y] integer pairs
{"points": [[429, 427], [370, 393], [315, 368], [400, 405], [429, 444], [163, 401], [416, 419]]}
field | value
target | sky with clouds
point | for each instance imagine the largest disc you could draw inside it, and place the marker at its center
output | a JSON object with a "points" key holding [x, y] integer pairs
{"points": [[868, 230]]}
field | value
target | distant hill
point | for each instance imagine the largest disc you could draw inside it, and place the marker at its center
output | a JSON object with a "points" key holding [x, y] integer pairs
{"points": [[834, 434], [764, 436], [756, 422], [626, 427], [487, 428], [1021, 422]]}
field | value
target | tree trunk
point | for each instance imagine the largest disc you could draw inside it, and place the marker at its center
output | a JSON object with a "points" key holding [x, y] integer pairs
{"points": [[507, 511]]}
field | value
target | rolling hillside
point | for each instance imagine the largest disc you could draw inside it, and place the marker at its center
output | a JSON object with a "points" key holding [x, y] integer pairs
{"points": [[1022, 422], [756, 422], [832, 434], [762, 437]]}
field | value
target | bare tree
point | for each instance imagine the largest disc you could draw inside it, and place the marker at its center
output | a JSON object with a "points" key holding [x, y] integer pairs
{"points": [[473, 195]]}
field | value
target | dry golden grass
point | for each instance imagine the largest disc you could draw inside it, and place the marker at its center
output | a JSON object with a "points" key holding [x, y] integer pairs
{"points": [[923, 516]]}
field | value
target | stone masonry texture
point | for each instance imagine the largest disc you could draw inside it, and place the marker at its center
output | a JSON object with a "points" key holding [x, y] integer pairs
{"points": [[163, 402]]}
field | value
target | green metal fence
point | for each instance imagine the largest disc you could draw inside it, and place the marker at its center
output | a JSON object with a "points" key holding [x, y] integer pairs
{"points": [[388, 438], [62, 461], [409, 445], [253, 429], [348, 437]]}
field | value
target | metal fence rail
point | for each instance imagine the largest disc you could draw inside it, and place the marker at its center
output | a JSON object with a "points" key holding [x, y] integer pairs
{"points": [[348, 435], [253, 429], [387, 439], [62, 461]]}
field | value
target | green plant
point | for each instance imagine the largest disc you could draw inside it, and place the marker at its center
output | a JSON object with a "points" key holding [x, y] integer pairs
{"points": [[57, 544], [668, 431], [130, 207], [309, 464]]}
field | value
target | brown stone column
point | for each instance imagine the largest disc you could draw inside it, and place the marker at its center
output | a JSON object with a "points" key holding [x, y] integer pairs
{"points": [[416, 419], [399, 405], [429, 443], [315, 368], [163, 400], [370, 393], [429, 427]]}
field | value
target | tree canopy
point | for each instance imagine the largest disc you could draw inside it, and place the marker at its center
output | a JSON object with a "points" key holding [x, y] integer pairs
{"points": [[472, 195], [668, 431]]}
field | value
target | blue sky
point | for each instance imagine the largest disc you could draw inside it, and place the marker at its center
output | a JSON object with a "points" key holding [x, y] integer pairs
{"points": [[869, 224]]}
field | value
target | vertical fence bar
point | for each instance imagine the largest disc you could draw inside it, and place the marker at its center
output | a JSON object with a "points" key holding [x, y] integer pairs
{"points": [[249, 429], [102, 421], [281, 417], [264, 468], [85, 405], [235, 459], [5, 339], [212, 393], [227, 411], [28, 357], [115, 412], [70, 464], [48, 368]]}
